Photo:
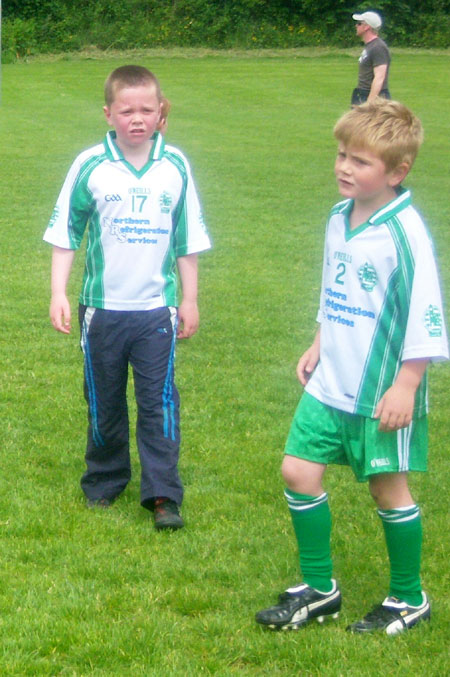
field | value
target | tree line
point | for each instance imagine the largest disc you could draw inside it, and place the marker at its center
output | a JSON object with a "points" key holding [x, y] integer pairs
{"points": [[36, 26]]}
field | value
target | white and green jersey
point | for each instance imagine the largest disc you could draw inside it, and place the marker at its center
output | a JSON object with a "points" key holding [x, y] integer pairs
{"points": [[380, 305], [139, 223]]}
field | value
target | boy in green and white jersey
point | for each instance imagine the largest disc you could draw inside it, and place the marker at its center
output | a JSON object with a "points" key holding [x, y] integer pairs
{"points": [[136, 198], [365, 401]]}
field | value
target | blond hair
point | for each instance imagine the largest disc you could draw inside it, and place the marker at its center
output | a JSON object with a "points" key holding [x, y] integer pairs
{"points": [[386, 128], [129, 76]]}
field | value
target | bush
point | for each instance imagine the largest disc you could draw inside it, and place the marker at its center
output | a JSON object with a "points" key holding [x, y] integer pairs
{"points": [[58, 26], [19, 39], [432, 30]]}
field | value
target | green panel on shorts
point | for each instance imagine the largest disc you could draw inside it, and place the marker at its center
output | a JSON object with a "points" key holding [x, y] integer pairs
{"points": [[322, 434]]}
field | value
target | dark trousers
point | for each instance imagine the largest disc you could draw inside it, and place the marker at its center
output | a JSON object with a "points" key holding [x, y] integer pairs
{"points": [[361, 95], [111, 340]]}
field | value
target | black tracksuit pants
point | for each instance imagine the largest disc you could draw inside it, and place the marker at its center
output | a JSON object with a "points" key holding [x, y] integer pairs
{"points": [[111, 340]]}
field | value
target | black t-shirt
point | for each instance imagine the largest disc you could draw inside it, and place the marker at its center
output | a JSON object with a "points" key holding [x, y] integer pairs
{"points": [[375, 53]]}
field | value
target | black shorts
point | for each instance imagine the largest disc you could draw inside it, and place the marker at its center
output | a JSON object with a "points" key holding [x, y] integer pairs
{"points": [[361, 95]]}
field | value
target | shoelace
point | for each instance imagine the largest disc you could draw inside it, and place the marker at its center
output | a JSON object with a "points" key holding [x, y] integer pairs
{"points": [[380, 613]]}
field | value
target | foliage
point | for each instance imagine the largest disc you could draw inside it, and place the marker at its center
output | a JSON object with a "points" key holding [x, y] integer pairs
{"points": [[98, 593], [34, 26]]}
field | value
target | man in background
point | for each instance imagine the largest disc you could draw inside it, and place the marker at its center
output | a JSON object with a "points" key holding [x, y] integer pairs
{"points": [[373, 62]]}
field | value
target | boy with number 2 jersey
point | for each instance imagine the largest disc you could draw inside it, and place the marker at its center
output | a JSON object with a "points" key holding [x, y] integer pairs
{"points": [[365, 400]]}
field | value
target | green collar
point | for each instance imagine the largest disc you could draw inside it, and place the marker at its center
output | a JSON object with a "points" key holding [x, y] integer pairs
{"points": [[402, 200], [114, 153]]}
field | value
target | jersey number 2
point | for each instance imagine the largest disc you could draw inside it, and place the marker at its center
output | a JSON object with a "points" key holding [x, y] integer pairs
{"points": [[341, 273]]}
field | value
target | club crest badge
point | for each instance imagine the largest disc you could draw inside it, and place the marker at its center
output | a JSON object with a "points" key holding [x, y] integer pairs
{"points": [[368, 277], [165, 202], [54, 217], [433, 321]]}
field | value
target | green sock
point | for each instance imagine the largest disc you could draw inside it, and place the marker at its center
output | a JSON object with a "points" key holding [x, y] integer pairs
{"points": [[311, 519], [403, 533]]}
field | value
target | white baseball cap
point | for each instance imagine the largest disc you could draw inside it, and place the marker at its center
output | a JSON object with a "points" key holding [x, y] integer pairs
{"points": [[372, 19]]}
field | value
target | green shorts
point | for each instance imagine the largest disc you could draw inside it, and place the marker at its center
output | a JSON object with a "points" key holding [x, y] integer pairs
{"points": [[323, 434]]}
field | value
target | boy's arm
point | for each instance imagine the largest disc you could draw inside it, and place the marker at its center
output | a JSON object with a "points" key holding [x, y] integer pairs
{"points": [[308, 361], [188, 314], [395, 409], [62, 260]]}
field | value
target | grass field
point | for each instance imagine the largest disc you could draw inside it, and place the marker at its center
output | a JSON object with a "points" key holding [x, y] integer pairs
{"points": [[91, 592]]}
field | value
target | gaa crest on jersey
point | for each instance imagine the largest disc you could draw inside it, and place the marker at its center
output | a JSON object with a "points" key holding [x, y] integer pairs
{"points": [[433, 321], [367, 276], [165, 202]]}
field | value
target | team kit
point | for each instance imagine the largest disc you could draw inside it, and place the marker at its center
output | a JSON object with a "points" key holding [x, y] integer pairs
{"points": [[380, 323]]}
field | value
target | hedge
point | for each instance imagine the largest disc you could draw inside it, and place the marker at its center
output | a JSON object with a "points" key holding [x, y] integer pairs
{"points": [[45, 26]]}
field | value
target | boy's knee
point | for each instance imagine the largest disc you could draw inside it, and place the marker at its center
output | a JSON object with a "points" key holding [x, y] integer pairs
{"points": [[289, 469], [302, 476], [390, 490], [376, 492]]}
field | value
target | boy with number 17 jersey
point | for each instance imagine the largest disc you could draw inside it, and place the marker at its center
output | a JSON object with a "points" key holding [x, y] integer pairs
{"points": [[140, 223], [136, 198]]}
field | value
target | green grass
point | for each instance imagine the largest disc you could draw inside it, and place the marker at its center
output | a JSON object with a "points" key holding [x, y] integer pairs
{"points": [[93, 592]]}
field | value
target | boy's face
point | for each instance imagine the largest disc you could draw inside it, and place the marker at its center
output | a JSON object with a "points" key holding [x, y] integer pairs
{"points": [[134, 114], [362, 176]]}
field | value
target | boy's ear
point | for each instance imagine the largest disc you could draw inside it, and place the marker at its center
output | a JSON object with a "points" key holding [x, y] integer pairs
{"points": [[107, 113], [397, 175]]}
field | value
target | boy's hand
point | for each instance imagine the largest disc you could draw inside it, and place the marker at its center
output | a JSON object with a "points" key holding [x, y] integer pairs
{"points": [[62, 260], [307, 363], [188, 316], [395, 409], [188, 319], [60, 313]]}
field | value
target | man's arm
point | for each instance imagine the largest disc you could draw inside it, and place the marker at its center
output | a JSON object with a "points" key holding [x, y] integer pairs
{"points": [[379, 74], [62, 260]]}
